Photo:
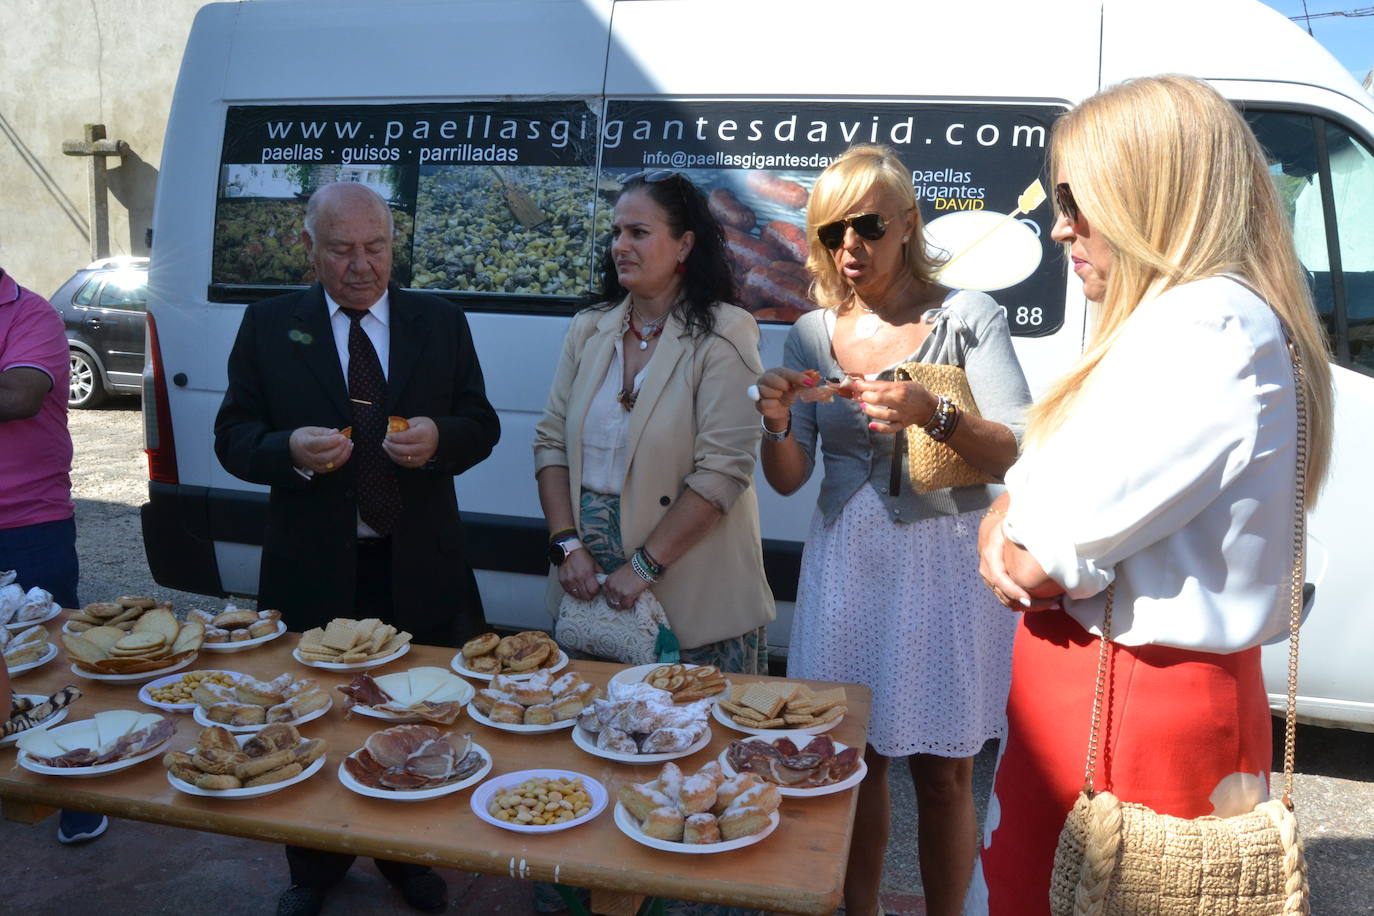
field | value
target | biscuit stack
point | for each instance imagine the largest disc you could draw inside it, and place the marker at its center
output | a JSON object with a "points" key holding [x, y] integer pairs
{"points": [[687, 683], [121, 613], [519, 654], [351, 642], [782, 704], [155, 640]]}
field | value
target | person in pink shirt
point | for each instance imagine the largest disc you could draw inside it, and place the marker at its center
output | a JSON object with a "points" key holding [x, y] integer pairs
{"points": [[37, 518]]}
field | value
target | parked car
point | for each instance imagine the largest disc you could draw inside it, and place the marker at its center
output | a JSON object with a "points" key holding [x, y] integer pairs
{"points": [[103, 306]]}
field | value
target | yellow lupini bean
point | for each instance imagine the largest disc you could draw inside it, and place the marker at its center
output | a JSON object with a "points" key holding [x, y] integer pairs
{"points": [[541, 802]]}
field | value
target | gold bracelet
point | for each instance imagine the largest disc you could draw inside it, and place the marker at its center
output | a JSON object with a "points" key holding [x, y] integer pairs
{"points": [[992, 510]]}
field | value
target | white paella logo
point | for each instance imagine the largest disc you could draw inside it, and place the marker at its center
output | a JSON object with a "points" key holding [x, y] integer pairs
{"points": [[985, 250]]}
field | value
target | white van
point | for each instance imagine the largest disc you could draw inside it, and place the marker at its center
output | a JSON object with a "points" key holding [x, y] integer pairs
{"points": [[443, 107]]}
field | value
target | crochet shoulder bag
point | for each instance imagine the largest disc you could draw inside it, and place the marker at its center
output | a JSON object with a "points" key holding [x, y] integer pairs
{"points": [[1116, 858], [933, 465]]}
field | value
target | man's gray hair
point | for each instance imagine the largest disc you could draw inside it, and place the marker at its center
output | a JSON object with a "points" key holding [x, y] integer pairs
{"points": [[324, 195]]}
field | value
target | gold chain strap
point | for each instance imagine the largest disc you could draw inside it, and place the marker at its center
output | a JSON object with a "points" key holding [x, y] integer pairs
{"points": [[1290, 731]]}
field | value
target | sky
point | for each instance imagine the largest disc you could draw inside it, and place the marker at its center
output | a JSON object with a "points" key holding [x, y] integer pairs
{"points": [[1349, 39]]}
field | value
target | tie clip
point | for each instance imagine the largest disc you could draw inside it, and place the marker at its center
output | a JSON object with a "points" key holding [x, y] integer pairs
{"points": [[364, 403]]}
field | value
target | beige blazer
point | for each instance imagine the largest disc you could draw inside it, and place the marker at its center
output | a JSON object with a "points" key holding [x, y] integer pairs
{"points": [[692, 426]]}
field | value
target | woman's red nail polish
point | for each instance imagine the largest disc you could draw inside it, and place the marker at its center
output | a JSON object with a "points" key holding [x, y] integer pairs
{"points": [[873, 426]]}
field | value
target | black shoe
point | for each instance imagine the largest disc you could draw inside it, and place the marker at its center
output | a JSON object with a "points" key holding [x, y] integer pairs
{"points": [[300, 901], [425, 892], [76, 827]]}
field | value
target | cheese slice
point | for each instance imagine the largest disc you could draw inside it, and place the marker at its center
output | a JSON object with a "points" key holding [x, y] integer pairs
{"points": [[397, 686], [146, 720], [425, 681], [40, 744], [113, 724], [78, 735], [455, 690]]}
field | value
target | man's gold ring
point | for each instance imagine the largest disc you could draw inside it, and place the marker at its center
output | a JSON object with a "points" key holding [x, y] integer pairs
{"points": [[329, 465]]}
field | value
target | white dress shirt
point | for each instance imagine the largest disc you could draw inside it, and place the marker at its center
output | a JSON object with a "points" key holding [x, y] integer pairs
{"points": [[1173, 476]]}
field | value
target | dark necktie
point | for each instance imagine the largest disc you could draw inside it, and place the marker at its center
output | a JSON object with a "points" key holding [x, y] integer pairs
{"points": [[379, 498]]}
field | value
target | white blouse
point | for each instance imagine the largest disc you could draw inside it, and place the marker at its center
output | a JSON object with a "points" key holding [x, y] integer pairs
{"points": [[606, 429], [1173, 477]]}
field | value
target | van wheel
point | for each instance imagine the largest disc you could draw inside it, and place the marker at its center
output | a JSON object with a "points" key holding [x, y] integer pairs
{"points": [[87, 387]]}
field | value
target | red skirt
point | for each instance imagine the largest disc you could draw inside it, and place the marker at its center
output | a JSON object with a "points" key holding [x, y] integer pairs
{"points": [[1176, 725]]}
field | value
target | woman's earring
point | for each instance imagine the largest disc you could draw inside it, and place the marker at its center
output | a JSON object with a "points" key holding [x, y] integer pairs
{"points": [[905, 239], [681, 268]]}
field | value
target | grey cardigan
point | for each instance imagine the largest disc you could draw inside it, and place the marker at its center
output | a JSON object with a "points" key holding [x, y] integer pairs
{"points": [[970, 331]]}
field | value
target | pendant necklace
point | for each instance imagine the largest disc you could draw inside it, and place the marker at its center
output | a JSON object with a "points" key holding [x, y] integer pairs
{"points": [[867, 324], [651, 329]]}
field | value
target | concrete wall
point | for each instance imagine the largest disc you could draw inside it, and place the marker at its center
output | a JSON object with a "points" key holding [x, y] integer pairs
{"points": [[66, 63]]}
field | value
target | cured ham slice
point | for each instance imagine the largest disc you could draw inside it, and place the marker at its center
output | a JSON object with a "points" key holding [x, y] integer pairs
{"points": [[412, 757]]}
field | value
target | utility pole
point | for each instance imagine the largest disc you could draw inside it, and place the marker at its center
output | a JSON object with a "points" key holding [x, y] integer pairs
{"points": [[97, 148]]}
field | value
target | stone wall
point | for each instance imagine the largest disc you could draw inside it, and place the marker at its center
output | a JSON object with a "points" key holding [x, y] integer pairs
{"points": [[67, 63]]}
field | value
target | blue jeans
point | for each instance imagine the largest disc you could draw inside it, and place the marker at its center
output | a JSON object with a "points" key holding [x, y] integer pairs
{"points": [[44, 555]]}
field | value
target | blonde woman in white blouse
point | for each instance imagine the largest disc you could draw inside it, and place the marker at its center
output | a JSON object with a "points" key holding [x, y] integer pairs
{"points": [[1163, 463]]}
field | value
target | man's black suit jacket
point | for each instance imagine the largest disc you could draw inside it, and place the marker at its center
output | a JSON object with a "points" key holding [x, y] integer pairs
{"points": [[284, 373]]}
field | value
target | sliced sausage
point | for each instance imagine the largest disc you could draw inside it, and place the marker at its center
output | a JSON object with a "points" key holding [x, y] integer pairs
{"points": [[728, 210], [788, 240], [781, 286], [779, 190], [747, 251]]}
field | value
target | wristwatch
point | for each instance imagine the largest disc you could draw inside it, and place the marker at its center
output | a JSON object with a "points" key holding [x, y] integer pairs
{"points": [[562, 548]]}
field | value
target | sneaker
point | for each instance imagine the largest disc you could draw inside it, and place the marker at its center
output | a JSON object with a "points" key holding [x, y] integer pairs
{"points": [[75, 827], [298, 900]]}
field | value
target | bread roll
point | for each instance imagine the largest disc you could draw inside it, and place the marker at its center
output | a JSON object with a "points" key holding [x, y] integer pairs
{"points": [[539, 714], [639, 799], [256, 766], [765, 795], [727, 791], [507, 711], [664, 823], [280, 774], [742, 821], [212, 781]]}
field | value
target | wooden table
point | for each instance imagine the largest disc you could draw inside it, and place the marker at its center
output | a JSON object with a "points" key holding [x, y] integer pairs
{"points": [[798, 869]]}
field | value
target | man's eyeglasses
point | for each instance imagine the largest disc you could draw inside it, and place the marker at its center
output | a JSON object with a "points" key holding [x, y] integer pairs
{"points": [[1064, 198], [869, 226]]}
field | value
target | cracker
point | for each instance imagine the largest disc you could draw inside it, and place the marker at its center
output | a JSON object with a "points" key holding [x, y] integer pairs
{"points": [[340, 635], [768, 698], [351, 657], [768, 723], [830, 715], [800, 721], [312, 639], [380, 636]]}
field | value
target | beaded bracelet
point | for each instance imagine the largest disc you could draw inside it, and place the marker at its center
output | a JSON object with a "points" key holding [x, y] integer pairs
{"points": [[637, 564], [651, 564], [562, 533], [943, 421]]}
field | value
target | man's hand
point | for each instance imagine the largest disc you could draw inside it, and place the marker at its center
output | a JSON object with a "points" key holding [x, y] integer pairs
{"points": [[411, 448], [22, 390], [319, 449]]}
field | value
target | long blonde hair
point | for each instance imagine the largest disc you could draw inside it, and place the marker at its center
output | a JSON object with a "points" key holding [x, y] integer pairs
{"points": [[1172, 178], [839, 188]]}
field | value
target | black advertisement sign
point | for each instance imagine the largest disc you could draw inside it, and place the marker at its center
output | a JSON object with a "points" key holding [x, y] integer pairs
{"points": [[505, 197]]}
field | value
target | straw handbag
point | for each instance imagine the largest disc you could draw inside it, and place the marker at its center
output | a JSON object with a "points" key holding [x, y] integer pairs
{"points": [[934, 465], [1116, 858]]}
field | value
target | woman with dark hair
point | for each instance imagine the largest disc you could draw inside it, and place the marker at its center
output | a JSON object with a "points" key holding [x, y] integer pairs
{"points": [[645, 453]]}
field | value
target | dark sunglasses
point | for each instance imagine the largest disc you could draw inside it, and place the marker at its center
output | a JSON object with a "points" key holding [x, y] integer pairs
{"points": [[869, 226], [1064, 198], [653, 176]]}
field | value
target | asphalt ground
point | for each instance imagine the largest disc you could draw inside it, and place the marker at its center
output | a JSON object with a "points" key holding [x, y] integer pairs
{"points": [[143, 868]]}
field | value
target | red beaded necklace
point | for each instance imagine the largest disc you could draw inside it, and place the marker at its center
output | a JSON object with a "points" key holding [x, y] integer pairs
{"points": [[651, 330]]}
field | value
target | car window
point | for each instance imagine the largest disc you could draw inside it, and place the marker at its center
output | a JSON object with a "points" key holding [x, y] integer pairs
{"points": [[87, 291], [125, 291], [1333, 247]]}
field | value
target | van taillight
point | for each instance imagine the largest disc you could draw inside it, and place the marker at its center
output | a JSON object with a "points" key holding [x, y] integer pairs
{"points": [[157, 414]]}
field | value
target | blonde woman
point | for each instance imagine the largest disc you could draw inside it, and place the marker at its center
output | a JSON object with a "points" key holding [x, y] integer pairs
{"points": [[1162, 462], [889, 594]]}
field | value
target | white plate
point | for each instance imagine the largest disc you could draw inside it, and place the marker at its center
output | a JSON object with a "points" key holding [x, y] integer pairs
{"points": [[457, 665], [145, 692], [415, 795], [587, 741], [182, 785], [244, 644], [848, 783], [630, 827], [37, 662], [485, 792], [521, 729], [355, 666], [636, 675], [21, 625], [34, 766], [723, 718], [199, 715], [49, 722], [398, 718], [132, 678]]}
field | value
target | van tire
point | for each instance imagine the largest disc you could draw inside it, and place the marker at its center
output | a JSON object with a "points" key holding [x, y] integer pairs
{"points": [[87, 382]]}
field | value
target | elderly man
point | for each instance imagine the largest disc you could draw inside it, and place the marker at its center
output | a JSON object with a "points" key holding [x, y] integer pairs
{"points": [[361, 521]]}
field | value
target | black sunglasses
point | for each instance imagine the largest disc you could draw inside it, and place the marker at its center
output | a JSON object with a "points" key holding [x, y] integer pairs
{"points": [[869, 226], [1064, 198], [653, 176]]}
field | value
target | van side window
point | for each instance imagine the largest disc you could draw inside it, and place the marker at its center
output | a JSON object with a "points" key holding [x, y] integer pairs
{"points": [[1325, 178]]}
